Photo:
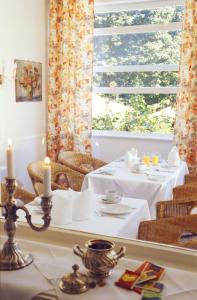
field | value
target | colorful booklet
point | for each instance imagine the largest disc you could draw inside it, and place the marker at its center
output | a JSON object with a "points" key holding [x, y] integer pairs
{"points": [[146, 276], [143, 268], [150, 295], [128, 279], [154, 286], [159, 271]]}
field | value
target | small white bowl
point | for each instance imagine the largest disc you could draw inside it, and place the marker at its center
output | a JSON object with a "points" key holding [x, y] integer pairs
{"points": [[109, 201]]}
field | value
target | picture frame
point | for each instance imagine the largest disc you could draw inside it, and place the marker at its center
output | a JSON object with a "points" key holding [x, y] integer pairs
{"points": [[28, 81]]}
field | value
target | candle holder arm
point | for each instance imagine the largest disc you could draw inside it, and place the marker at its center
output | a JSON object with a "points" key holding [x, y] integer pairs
{"points": [[46, 205]]}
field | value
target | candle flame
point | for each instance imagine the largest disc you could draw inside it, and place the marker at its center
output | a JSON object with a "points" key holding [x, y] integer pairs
{"points": [[47, 160], [9, 143], [43, 141]]}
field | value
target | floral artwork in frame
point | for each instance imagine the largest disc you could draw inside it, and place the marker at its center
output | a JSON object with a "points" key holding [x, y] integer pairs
{"points": [[28, 81]]}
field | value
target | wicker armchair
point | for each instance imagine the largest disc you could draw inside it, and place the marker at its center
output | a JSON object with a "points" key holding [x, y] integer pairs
{"points": [[72, 179], [171, 208], [191, 178], [20, 193], [80, 162], [186, 191], [167, 230]]}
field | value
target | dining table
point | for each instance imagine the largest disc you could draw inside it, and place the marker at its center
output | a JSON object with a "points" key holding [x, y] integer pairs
{"points": [[154, 184], [118, 220], [40, 280]]}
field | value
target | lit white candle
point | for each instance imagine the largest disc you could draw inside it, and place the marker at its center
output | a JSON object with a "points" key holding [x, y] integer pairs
{"points": [[10, 160], [47, 177]]}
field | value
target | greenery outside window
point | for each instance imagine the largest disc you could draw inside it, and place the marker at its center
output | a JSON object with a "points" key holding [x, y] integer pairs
{"points": [[136, 57]]}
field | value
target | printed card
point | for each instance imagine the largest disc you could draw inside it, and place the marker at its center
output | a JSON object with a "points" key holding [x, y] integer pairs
{"points": [[150, 295], [154, 286], [141, 268], [146, 276], [159, 271], [128, 279]]}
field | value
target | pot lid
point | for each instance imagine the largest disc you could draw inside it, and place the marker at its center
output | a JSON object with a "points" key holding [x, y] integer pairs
{"points": [[75, 282]]}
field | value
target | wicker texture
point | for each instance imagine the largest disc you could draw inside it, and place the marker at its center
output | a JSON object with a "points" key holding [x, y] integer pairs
{"points": [[171, 208], [186, 191], [167, 230], [74, 179], [80, 162], [20, 193], [191, 178]]}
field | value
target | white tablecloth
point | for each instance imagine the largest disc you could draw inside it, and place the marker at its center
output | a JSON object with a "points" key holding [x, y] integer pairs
{"points": [[52, 262], [122, 225], [135, 185]]}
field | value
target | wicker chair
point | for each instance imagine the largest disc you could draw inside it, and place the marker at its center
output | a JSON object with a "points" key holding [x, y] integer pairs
{"points": [[73, 179], [167, 230], [191, 178], [171, 208], [80, 162], [20, 193], [186, 191]]}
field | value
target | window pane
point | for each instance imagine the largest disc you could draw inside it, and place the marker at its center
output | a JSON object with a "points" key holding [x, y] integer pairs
{"points": [[137, 49], [139, 113], [136, 79], [139, 17]]}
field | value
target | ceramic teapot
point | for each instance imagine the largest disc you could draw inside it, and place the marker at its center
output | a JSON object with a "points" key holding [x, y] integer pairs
{"points": [[99, 258]]}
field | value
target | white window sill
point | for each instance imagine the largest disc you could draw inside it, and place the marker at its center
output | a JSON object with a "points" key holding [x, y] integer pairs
{"points": [[132, 135]]}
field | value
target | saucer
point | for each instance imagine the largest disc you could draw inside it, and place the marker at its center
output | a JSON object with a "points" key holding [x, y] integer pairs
{"points": [[116, 209]]}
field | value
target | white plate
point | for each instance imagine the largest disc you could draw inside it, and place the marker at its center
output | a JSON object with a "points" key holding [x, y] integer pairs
{"points": [[116, 209]]}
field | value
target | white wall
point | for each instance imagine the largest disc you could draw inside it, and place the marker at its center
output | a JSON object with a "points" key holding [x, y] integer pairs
{"points": [[22, 36], [111, 146]]}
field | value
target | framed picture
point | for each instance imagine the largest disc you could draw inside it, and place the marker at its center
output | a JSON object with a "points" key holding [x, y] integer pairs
{"points": [[28, 82]]}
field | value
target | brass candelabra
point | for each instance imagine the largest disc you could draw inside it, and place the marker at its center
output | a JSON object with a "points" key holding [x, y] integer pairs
{"points": [[11, 256]]}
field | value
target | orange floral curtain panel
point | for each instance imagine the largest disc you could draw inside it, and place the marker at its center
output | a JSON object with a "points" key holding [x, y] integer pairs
{"points": [[70, 76], [186, 115]]}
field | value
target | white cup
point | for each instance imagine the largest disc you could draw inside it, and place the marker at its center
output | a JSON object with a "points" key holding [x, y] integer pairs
{"points": [[140, 168], [112, 196]]}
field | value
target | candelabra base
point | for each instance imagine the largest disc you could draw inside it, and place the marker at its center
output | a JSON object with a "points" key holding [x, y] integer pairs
{"points": [[13, 258]]}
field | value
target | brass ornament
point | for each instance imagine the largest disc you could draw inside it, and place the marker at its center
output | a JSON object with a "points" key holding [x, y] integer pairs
{"points": [[99, 258], [11, 256], [74, 283]]}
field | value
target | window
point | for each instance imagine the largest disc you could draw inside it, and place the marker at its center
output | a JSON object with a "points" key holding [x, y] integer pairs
{"points": [[136, 57]]}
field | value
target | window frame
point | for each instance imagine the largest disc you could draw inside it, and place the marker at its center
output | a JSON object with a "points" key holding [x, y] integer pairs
{"points": [[103, 6]]}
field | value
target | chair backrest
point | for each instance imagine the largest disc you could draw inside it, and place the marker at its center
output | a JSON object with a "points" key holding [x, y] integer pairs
{"points": [[155, 231], [167, 230], [170, 208], [20, 193], [191, 178], [80, 162], [71, 178], [185, 191]]}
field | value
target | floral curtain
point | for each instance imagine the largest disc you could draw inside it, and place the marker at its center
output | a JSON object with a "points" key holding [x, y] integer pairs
{"points": [[70, 76], [186, 114]]}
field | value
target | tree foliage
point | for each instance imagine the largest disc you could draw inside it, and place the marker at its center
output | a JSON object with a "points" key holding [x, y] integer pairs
{"points": [[144, 112]]}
